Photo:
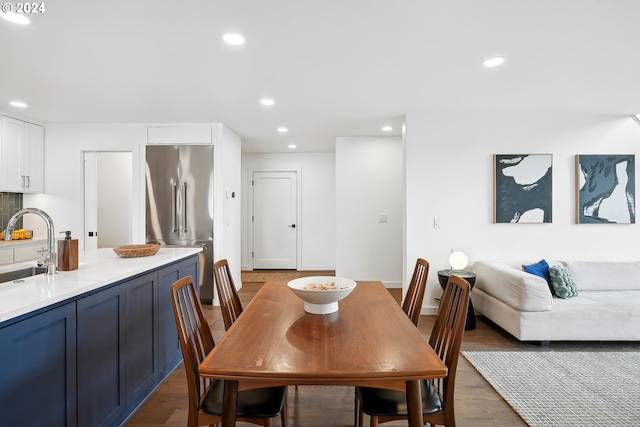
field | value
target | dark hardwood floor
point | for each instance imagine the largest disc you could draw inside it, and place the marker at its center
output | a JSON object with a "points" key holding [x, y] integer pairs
{"points": [[477, 404]]}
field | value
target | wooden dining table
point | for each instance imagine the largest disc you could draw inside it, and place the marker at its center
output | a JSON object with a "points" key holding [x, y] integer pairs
{"points": [[369, 341]]}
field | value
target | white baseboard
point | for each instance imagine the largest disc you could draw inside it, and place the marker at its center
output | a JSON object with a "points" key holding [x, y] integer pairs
{"points": [[245, 267], [316, 267], [429, 310], [392, 285]]}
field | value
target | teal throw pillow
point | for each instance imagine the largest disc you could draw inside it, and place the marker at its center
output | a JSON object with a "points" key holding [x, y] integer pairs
{"points": [[541, 269], [562, 282]]}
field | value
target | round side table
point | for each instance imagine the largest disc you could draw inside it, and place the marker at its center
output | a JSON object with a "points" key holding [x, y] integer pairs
{"points": [[443, 278]]}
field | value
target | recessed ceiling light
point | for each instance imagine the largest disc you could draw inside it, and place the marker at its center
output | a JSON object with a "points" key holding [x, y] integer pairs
{"points": [[267, 102], [233, 39], [18, 104], [493, 62], [292, 146], [387, 128], [283, 129], [16, 18]]}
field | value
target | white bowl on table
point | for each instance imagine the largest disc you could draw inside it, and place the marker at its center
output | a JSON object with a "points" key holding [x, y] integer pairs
{"points": [[321, 301]]}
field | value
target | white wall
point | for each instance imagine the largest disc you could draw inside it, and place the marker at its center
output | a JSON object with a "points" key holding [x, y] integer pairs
{"points": [[227, 220], [316, 226], [63, 197], [449, 174], [369, 183]]}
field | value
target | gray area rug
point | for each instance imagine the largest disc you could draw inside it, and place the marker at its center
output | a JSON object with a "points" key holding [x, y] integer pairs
{"points": [[564, 388]]}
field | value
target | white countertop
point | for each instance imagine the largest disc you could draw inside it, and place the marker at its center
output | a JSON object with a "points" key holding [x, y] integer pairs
{"points": [[96, 269]]}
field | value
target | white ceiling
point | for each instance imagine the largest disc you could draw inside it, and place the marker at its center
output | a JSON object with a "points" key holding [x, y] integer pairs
{"points": [[334, 67]]}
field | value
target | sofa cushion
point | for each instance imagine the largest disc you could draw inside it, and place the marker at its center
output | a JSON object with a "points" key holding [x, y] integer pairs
{"points": [[605, 275], [541, 269], [562, 281], [508, 283]]}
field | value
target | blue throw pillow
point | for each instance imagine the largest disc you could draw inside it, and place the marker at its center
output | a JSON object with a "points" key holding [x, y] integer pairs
{"points": [[540, 268]]}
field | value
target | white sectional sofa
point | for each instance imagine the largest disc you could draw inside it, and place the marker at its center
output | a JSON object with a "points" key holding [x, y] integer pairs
{"points": [[607, 307]]}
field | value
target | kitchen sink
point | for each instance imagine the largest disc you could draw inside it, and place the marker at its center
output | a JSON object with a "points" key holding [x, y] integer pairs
{"points": [[22, 273]]}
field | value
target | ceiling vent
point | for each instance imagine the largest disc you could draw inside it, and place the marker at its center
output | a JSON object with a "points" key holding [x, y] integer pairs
{"points": [[636, 118]]}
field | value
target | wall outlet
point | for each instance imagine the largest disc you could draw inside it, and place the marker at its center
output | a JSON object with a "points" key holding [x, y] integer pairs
{"points": [[383, 218]]}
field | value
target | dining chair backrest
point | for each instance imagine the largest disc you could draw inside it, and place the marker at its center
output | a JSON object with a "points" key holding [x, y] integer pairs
{"points": [[412, 304], [196, 340], [230, 304], [446, 339]]}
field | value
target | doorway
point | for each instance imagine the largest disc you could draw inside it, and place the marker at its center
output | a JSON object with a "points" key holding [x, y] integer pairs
{"points": [[275, 228], [108, 198]]}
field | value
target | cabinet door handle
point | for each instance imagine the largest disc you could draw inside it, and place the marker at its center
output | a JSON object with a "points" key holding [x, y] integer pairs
{"points": [[28, 182], [22, 181]]}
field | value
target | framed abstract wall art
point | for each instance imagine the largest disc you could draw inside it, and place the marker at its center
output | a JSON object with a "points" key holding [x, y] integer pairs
{"points": [[606, 189], [522, 188]]}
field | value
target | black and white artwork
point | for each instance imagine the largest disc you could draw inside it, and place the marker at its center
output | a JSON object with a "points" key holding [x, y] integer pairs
{"points": [[522, 188], [606, 189]]}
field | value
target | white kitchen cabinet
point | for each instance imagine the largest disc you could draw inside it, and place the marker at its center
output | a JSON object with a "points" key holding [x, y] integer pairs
{"points": [[29, 252], [21, 250], [21, 156], [6, 256], [180, 135]]}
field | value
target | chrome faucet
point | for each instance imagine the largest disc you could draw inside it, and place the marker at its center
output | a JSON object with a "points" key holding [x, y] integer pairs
{"points": [[49, 260]]}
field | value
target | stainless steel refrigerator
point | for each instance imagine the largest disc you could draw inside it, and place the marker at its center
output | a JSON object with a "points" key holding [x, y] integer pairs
{"points": [[179, 202]]}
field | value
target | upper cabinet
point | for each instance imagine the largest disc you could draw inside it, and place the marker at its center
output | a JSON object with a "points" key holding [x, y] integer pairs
{"points": [[180, 134], [21, 156]]}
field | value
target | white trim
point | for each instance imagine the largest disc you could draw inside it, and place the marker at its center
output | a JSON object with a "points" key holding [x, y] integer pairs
{"points": [[392, 285], [428, 311]]}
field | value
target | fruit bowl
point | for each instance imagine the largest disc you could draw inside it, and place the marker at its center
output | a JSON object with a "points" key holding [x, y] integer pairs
{"points": [[136, 251], [321, 293]]}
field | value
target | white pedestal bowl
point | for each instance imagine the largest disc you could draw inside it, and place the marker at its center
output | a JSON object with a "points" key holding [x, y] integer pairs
{"points": [[321, 301]]}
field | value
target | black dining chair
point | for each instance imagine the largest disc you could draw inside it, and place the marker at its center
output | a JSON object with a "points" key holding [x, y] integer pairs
{"points": [[257, 406], [384, 405], [412, 305]]}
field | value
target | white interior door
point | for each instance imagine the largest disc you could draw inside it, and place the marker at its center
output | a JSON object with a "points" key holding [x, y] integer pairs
{"points": [[274, 220], [108, 196]]}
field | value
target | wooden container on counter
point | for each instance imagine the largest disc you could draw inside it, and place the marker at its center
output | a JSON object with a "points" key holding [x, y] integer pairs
{"points": [[67, 255]]}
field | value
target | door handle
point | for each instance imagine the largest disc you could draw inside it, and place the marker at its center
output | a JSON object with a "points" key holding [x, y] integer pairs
{"points": [[292, 226], [174, 206], [184, 207]]}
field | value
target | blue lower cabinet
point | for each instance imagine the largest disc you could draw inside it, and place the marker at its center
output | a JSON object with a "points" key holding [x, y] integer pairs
{"points": [[38, 370], [101, 358], [141, 337]]}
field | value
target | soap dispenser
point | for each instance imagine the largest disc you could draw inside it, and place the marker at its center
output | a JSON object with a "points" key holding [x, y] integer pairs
{"points": [[67, 252]]}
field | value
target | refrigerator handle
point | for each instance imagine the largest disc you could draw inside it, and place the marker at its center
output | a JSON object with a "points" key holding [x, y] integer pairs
{"points": [[174, 206], [184, 207]]}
